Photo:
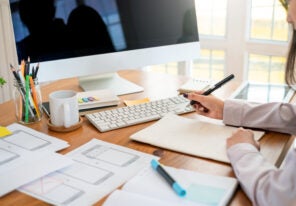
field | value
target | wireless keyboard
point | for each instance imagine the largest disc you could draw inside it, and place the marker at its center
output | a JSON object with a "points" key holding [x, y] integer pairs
{"points": [[136, 114]]}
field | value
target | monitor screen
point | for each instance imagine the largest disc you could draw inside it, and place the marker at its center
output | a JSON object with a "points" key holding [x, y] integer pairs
{"points": [[76, 38]]}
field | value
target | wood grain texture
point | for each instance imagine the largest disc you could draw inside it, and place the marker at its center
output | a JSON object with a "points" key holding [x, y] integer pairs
{"points": [[273, 145]]}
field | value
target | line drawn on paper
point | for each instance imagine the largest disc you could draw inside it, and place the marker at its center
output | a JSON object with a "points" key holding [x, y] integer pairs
{"points": [[26, 140], [7, 156], [110, 155], [86, 173], [53, 189]]}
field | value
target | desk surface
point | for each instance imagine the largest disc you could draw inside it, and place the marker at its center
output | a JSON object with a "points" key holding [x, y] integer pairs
{"points": [[273, 145]]}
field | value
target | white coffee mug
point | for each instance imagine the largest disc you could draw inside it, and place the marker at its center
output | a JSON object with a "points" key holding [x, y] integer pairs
{"points": [[63, 107]]}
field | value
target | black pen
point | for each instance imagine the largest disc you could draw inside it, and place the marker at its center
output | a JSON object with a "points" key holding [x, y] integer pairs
{"points": [[213, 88], [28, 66], [46, 111], [36, 70], [15, 74]]}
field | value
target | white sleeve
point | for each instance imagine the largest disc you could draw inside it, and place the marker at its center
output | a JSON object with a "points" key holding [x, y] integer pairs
{"points": [[263, 183], [275, 116]]}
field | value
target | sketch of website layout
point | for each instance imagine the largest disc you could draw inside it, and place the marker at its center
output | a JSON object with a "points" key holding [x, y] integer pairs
{"points": [[99, 168], [22, 159], [33, 140]]}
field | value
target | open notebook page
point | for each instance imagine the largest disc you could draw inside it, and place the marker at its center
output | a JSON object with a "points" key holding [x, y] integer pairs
{"points": [[148, 187], [190, 136]]}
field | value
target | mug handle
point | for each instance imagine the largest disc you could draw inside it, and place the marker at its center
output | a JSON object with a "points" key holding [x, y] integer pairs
{"points": [[67, 118]]}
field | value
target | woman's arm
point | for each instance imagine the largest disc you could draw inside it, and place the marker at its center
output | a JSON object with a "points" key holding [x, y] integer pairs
{"points": [[280, 117], [264, 184]]}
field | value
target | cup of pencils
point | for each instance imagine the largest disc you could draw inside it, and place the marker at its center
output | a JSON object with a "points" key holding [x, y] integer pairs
{"points": [[27, 94]]}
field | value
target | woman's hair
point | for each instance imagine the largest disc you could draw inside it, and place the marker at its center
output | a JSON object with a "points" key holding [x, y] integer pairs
{"points": [[285, 3], [290, 73]]}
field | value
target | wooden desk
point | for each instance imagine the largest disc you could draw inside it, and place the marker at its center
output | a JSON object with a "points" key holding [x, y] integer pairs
{"points": [[273, 145]]}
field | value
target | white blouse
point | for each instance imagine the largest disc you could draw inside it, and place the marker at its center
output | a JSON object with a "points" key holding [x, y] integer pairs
{"points": [[262, 181]]}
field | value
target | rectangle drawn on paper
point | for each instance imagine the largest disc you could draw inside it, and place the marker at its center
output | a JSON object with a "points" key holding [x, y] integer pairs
{"points": [[26, 140], [87, 173], [7, 156], [54, 189], [110, 155]]}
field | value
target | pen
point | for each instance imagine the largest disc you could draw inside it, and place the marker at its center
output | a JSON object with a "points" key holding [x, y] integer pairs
{"points": [[15, 74], [21, 81], [36, 70], [213, 88], [176, 187], [27, 83], [45, 111]]}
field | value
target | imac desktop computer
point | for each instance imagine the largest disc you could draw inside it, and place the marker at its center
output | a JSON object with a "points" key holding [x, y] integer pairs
{"points": [[93, 39]]}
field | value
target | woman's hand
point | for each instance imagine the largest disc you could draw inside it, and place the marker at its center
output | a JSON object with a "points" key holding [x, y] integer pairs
{"points": [[209, 106], [242, 136]]}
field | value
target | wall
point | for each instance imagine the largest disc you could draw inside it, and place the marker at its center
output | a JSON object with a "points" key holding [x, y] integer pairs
{"points": [[7, 50]]}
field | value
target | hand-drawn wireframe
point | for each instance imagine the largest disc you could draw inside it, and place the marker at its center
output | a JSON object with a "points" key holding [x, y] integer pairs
{"points": [[110, 155], [54, 189], [99, 168], [7, 156], [26, 140], [87, 173]]}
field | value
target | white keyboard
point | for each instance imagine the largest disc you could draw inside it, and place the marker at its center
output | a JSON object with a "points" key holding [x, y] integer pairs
{"points": [[136, 114]]}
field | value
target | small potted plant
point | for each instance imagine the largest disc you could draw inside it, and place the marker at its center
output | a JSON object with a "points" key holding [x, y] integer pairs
{"points": [[2, 81]]}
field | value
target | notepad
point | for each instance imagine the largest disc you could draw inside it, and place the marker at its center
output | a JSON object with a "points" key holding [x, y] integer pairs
{"points": [[137, 101], [195, 85], [148, 188], [96, 99], [191, 136], [4, 132]]}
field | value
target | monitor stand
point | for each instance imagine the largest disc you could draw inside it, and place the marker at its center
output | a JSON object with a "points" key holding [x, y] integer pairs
{"points": [[112, 81]]}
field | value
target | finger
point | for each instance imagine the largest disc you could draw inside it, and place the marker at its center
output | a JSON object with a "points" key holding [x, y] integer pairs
{"points": [[200, 107], [199, 92], [202, 111], [196, 98]]}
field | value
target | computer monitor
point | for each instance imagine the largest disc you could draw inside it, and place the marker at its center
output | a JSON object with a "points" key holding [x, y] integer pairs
{"points": [[90, 39]]}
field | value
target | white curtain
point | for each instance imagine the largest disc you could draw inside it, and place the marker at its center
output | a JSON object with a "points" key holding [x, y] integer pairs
{"points": [[7, 50]]}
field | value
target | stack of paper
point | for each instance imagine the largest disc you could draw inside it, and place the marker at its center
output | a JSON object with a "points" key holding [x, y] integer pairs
{"points": [[190, 136], [26, 155], [98, 169]]}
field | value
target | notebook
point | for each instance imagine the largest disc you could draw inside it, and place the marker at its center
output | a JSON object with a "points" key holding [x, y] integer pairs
{"points": [[195, 85], [149, 188], [200, 137]]}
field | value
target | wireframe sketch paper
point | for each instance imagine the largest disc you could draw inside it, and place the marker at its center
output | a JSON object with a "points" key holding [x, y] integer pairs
{"points": [[99, 168], [148, 188], [26, 155], [33, 140], [190, 136]]}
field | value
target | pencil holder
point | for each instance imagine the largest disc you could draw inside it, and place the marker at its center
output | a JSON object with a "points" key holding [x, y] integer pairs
{"points": [[28, 100]]}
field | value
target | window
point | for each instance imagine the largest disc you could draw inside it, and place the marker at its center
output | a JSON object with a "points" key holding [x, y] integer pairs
{"points": [[211, 15], [270, 29], [268, 21], [266, 69], [210, 65], [244, 37]]}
